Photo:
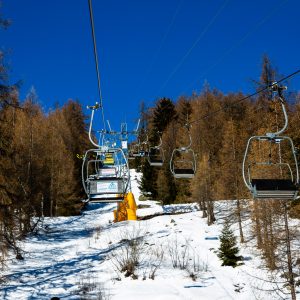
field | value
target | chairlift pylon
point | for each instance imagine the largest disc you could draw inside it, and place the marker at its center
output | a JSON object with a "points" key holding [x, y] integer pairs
{"points": [[105, 170], [268, 187]]}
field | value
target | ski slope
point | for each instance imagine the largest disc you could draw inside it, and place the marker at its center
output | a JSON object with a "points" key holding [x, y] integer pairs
{"points": [[78, 258]]}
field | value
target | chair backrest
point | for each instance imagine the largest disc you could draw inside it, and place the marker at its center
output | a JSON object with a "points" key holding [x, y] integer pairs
{"points": [[109, 159]]}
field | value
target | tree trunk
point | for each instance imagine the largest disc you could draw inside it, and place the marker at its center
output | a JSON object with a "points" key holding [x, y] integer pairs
{"points": [[51, 207], [210, 212], [238, 206], [288, 253], [272, 242], [257, 224]]}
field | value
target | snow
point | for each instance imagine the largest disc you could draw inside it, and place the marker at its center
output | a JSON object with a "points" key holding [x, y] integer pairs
{"points": [[78, 257]]}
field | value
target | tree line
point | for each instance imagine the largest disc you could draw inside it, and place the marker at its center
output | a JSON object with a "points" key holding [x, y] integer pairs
{"points": [[40, 174], [219, 141]]}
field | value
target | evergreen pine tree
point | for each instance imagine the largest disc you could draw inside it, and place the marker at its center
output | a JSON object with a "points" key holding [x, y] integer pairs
{"points": [[161, 116], [148, 184], [228, 249]]}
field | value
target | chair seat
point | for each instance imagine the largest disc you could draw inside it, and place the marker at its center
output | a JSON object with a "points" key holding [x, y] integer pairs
{"points": [[274, 189], [184, 171], [98, 199], [273, 184], [156, 162], [136, 154], [106, 179]]}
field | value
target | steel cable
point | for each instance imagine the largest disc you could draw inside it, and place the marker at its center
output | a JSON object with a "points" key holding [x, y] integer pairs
{"points": [[96, 60]]}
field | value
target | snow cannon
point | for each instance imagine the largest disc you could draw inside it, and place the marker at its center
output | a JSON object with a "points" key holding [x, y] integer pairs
{"points": [[131, 211], [126, 209], [120, 214], [131, 201]]}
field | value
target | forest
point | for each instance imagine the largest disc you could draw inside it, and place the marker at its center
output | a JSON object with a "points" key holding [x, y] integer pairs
{"points": [[220, 126], [40, 159]]}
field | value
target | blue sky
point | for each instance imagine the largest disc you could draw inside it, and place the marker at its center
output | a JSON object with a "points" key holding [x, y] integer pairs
{"points": [[147, 48]]}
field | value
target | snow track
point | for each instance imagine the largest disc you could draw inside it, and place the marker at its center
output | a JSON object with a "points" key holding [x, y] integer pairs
{"points": [[73, 258]]}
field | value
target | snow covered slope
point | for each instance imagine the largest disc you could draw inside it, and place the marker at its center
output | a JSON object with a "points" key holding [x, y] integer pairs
{"points": [[80, 258]]}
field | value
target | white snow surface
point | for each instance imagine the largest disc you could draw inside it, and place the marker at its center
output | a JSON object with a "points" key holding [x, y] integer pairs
{"points": [[78, 257]]}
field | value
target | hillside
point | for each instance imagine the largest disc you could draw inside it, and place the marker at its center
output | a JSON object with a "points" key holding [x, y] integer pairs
{"points": [[79, 257]]}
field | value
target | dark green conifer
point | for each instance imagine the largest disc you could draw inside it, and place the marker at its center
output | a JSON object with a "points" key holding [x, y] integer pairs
{"points": [[228, 249], [163, 113], [148, 181]]}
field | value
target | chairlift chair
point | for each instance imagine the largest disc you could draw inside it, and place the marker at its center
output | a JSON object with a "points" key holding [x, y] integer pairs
{"points": [[183, 167], [109, 159], [140, 149], [144, 147], [273, 188], [105, 170], [102, 181], [156, 155], [134, 151]]}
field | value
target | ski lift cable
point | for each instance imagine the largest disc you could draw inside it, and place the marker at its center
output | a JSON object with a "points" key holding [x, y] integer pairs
{"points": [[247, 97], [237, 44], [96, 60], [239, 100], [194, 45], [257, 25], [155, 56]]}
